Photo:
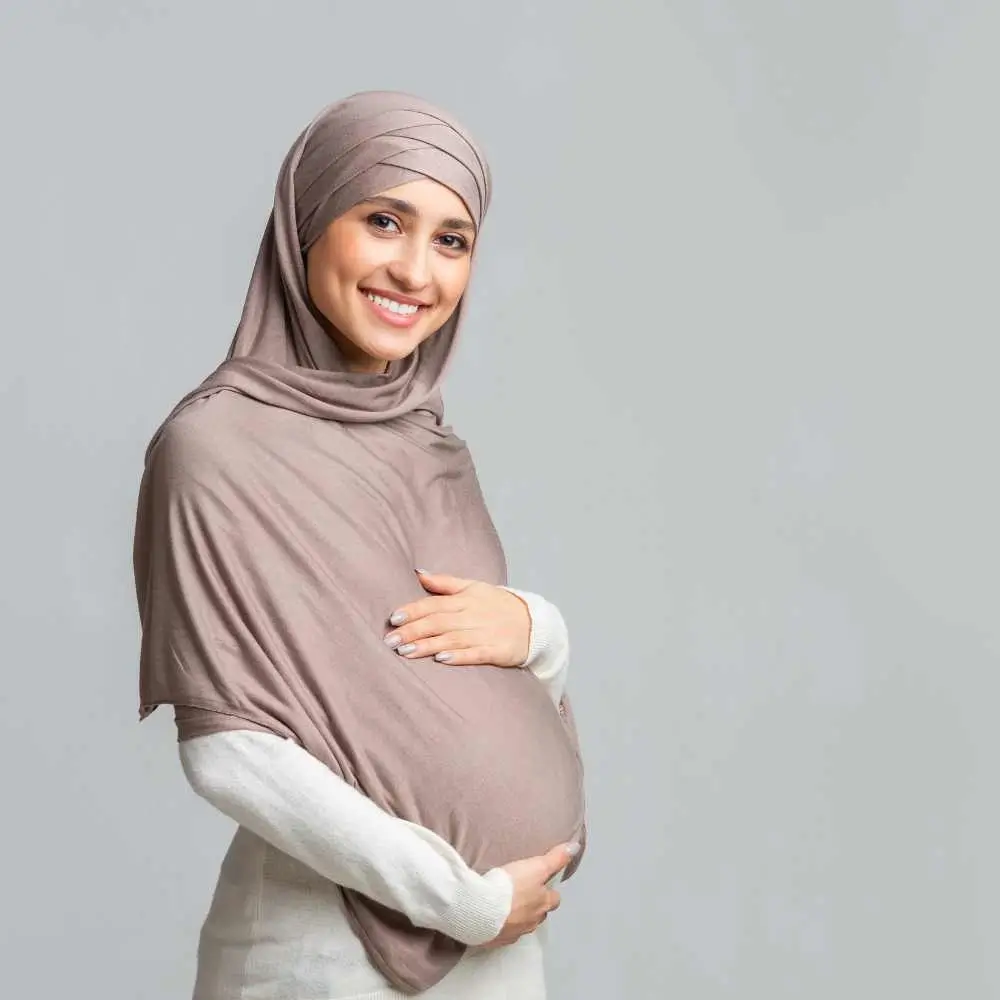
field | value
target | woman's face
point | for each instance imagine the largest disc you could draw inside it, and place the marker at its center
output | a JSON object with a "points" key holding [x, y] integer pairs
{"points": [[389, 272]]}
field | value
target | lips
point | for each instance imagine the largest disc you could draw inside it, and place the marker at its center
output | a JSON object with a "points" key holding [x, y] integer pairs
{"points": [[394, 296], [392, 310], [394, 305]]}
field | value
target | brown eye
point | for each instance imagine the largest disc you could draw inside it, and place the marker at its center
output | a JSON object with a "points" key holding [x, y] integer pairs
{"points": [[383, 223], [452, 241]]}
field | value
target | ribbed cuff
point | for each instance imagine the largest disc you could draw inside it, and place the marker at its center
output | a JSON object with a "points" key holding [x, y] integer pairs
{"points": [[482, 908], [541, 637]]}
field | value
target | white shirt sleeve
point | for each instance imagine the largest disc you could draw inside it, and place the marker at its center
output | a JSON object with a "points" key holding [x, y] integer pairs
{"points": [[548, 651], [282, 793]]}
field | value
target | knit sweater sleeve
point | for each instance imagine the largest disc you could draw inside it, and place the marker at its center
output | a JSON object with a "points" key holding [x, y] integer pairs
{"points": [[290, 799], [548, 650]]}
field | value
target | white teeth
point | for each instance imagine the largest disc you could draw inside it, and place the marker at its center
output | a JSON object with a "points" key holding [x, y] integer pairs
{"points": [[392, 305]]}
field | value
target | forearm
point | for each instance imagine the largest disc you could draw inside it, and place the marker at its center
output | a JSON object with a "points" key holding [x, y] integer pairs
{"points": [[290, 799]]}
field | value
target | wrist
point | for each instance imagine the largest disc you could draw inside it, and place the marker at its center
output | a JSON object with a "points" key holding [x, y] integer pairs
{"points": [[526, 652], [482, 908], [541, 638]]}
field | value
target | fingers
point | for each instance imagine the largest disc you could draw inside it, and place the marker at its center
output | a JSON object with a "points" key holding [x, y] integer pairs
{"points": [[559, 857], [456, 648], [471, 656], [533, 902], [439, 623], [511, 935], [440, 635], [442, 583], [450, 649], [415, 610]]}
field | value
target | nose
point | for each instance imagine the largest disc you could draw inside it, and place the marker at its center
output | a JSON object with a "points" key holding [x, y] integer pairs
{"points": [[411, 268]]}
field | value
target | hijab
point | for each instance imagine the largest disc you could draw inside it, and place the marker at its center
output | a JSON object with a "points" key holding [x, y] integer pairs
{"points": [[283, 505]]}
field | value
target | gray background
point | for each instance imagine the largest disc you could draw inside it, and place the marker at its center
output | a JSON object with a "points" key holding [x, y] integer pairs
{"points": [[729, 375]]}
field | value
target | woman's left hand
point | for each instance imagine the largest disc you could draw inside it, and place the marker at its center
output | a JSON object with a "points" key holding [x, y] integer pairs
{"points": [[463, 623]]}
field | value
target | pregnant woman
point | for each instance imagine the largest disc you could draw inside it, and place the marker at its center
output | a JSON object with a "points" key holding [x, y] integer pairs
{"points": [[324, 604]]}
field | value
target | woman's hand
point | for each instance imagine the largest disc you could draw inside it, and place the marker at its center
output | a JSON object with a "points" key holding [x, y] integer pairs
{"points": [[533, 900], [463, 623]]}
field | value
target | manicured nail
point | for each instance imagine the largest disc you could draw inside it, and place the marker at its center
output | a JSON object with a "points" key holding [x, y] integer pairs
{"points": [[573, 849], [407, 648], [397, 617], [444, 657], [423, 572], [392, 641]]}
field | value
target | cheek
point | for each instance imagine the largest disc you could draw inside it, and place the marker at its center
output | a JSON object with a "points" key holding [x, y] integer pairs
{"points": [[453, 282], [334, 269], [349, 256]]}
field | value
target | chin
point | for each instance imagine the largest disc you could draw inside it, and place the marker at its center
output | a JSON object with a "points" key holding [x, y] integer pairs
{"points": [[388, 355], [393, 349]]}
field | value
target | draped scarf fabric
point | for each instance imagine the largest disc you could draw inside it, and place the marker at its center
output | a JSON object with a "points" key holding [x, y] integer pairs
{"points": [[283, 506]]}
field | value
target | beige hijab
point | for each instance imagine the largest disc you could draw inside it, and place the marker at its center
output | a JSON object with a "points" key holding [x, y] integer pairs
{"points": [[283, 506]]}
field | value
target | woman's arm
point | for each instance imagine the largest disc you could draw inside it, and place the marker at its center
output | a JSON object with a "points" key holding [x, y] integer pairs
{"points": [[548, 651], [287, 797]]}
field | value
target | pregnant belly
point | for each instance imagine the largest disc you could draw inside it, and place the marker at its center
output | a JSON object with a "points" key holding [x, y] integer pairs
{"points": [[500, 777]]}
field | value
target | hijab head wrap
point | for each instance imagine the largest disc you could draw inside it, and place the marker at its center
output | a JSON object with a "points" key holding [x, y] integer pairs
{"points": [[352, 150], [272, 541]]}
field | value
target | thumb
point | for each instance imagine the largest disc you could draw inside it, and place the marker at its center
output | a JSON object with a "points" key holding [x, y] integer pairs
{"points": [[559, 857], [441, 583]]}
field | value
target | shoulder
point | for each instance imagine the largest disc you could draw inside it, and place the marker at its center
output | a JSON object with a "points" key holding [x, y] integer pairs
{"points": [[204, 435]]}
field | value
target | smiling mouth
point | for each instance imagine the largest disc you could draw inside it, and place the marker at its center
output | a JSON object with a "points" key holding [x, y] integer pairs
{"points": [[401, 306], [392, 310]]}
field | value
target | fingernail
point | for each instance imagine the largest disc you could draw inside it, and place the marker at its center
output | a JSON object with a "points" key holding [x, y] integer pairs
{"points": [[407, 648], [444, 657], [573, 849], [397, 617], [392, 641], [424, 572]]}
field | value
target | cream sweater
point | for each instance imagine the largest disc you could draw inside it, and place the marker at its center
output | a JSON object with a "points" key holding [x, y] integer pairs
{"points": [[276, 929]]}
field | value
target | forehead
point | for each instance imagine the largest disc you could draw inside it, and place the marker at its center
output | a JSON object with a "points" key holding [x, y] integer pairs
{"points": [[427, 198]]}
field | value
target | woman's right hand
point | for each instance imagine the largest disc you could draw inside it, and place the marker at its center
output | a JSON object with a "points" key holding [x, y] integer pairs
{"points": [[533, 900]]}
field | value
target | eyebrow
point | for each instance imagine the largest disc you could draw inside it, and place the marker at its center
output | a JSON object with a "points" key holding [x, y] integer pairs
{"points": [[406, 208]]}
